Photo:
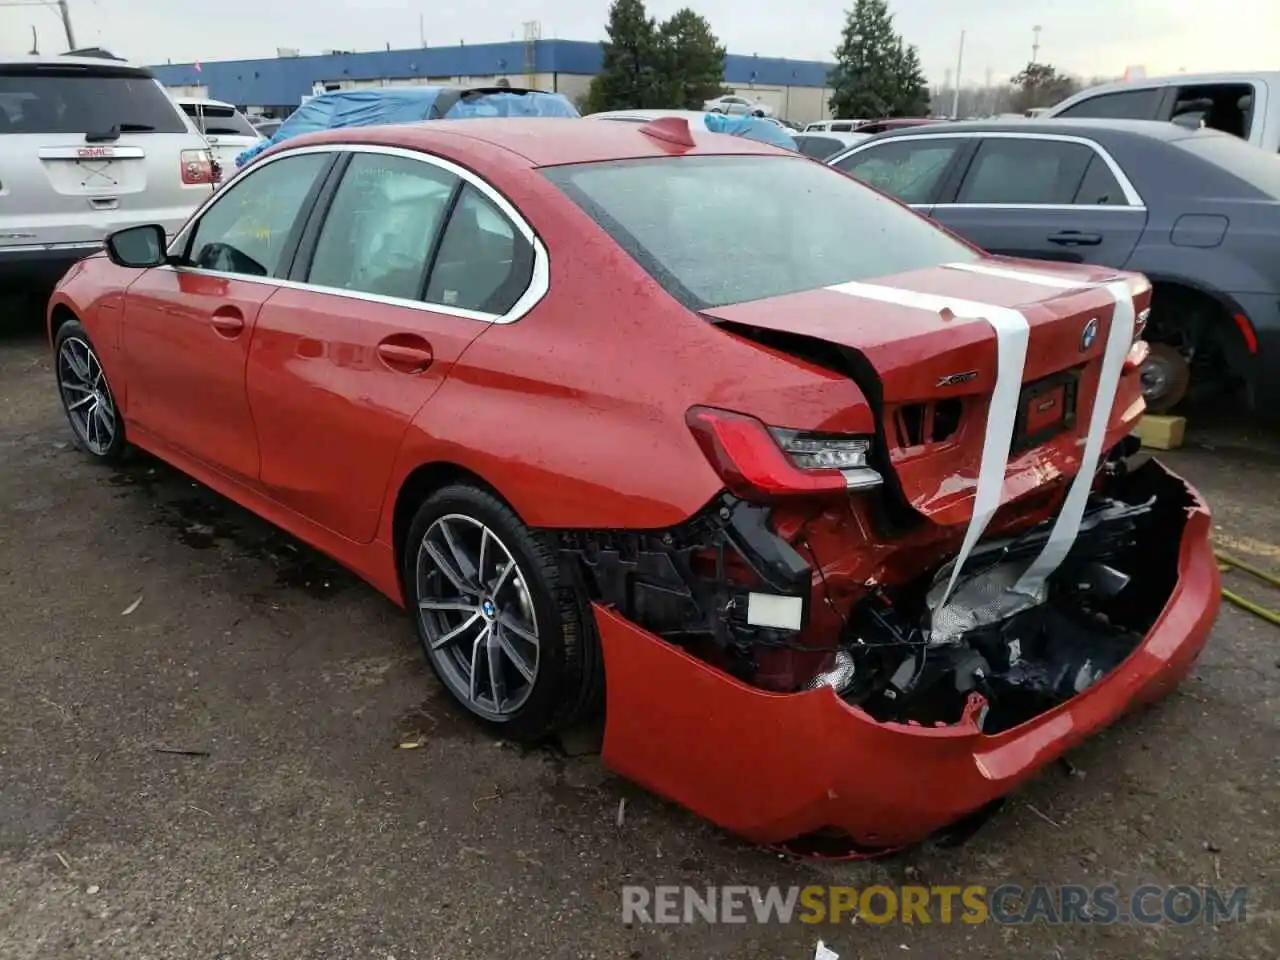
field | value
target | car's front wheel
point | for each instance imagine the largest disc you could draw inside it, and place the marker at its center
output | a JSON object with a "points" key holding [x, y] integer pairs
{"points": [[86, 395], [507, 639]]}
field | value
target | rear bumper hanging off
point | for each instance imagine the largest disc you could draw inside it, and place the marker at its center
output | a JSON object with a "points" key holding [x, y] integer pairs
{"points": [[772, 767]]}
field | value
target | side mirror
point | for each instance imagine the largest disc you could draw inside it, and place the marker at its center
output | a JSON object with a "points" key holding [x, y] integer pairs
{"points": [[140, 247]]}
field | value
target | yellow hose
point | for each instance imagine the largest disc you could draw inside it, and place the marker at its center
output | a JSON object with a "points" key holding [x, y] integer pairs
{"points": [[1257, 609]]}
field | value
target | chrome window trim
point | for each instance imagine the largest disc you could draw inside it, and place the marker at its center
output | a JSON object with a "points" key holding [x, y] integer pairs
{"points": [[539, 281], [1133, 200]]}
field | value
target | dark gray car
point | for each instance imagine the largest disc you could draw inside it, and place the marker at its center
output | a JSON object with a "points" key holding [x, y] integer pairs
{"points": [[1197, 211]]}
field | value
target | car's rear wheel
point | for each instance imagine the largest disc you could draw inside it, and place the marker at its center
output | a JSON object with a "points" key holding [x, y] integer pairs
{"points": [[86, 395], [508, 640]]}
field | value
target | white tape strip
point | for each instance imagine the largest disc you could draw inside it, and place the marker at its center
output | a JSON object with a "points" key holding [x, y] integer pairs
{"points": [[1012, 334], [1067, 526], [1119, 341]]}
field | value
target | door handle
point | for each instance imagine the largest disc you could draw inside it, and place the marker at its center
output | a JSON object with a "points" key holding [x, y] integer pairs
{"points": [[227, 322], [1074, 238], [406, 354]]}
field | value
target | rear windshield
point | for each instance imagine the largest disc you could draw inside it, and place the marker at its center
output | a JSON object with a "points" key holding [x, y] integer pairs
{"points": [[1259, 169], [219, 121], [80, 100], [716, 230]]}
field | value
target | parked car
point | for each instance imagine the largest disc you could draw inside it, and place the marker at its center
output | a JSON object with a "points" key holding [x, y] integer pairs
{"points": [[823, 145], [226, 130], [87, 145], [342, 109], [267, 127], [893, 123], [732, 103], [764, 129], [1197, 212], [832, 126], [1243, 104], [773, 514]]}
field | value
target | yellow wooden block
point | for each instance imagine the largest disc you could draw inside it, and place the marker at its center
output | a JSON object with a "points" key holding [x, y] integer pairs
{"points": [[1161, 433]]}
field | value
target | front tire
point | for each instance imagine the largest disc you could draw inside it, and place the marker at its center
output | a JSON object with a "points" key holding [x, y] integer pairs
{"points": [[87, 400], [506, 638]]}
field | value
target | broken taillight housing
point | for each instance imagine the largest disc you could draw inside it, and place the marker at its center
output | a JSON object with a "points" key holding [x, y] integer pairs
{"points": [[197, 167], [760, 463]]}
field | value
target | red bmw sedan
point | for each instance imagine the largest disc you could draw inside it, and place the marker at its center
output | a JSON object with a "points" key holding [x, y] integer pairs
{"points": [[835, 517]]}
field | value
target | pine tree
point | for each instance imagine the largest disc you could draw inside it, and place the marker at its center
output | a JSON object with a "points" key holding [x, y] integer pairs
{"points": [[630, 74], [693, 60], [876, 74]]}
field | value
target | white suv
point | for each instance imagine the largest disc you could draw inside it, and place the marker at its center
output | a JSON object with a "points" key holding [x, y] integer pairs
{"points": [[88, 145], [225, 128]]}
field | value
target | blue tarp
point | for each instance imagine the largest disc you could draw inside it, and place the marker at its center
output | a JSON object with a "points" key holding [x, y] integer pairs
{"points": [[366, 108], [753, 128]]}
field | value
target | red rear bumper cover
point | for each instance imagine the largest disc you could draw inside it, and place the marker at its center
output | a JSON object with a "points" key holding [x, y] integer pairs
{"points": [[772, 767]]}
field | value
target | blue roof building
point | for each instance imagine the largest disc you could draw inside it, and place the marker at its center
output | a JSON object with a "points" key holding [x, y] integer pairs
{"points": [[794, 88]]}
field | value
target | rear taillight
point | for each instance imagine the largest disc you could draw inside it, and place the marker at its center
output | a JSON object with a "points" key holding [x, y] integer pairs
{"points": [[760, 463], [197, 167]]}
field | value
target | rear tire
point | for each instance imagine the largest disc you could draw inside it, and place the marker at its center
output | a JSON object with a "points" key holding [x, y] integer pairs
{"points": [[90, 407], [507, 639]]}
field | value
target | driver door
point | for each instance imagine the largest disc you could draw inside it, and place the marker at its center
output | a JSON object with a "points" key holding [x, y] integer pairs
{"points": [[187, 327]]}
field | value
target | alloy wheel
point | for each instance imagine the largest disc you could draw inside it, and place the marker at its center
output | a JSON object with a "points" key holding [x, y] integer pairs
{"points": [[477, 616], [86, 396]]}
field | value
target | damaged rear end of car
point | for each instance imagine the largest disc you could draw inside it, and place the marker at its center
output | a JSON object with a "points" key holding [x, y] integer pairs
{"points": [[871, 635]]}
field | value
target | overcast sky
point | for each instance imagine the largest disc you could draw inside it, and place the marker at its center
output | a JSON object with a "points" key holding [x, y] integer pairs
{"points": [[1088, 37]]}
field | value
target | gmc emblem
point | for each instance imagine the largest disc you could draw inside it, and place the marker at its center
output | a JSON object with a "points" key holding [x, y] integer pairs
{"points": [[87, 153]]}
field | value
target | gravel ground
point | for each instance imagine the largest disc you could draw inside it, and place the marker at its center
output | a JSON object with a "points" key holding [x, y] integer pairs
{"points": [[141, 614]]}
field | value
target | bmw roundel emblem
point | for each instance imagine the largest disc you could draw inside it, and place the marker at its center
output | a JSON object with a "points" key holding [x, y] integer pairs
{"points": [[1089, 334]]}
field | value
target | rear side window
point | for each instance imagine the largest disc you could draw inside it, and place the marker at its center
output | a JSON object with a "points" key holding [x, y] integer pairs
{"points": [[484, 263], [78, 100], [1025, 171], [1100, 187], [716, 230], [1124, 105], [218, 121]]}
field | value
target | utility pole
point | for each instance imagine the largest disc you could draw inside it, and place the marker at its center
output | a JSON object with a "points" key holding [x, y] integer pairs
{"points": [[955, 93], [1035, 44]]}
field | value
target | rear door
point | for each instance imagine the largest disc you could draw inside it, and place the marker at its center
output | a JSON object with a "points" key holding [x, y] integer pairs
{"points": [[1045, 198], [914, 169], [411, 260], [87, 149]]}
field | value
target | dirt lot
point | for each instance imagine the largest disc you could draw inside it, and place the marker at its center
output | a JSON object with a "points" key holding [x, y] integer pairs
{"points": [[140, 614]]}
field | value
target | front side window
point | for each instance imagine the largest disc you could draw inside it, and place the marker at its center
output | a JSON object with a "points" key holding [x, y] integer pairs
{"points": [[378, 233], [1025, 171], [910, 170], [717, 230], [484, 264], [247, 229]]}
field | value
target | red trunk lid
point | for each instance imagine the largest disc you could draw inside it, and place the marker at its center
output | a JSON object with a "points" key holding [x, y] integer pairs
{"points": [[927, 337]]}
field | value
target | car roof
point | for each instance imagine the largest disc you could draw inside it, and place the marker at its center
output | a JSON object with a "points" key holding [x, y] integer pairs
{"points": [[1155, 129], [1179, 80], [54, 60], [541, 141], [203, 102]]}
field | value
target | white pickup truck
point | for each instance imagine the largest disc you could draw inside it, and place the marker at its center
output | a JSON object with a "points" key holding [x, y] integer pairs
{"points": [[1246, 105]]}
